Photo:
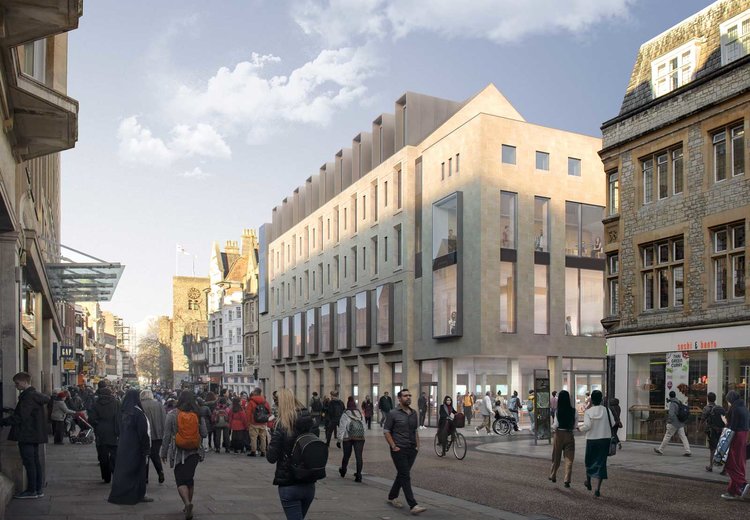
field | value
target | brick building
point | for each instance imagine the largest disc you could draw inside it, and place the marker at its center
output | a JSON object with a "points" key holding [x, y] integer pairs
{"points": [[677, 313]]}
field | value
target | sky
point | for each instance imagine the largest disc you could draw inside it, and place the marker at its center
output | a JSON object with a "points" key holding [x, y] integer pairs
{"points": [[189, 109]]}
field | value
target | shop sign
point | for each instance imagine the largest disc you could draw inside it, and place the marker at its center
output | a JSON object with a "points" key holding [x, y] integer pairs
{"points": [[69, 365], [66, 352], [677, 374], [698, 345]]}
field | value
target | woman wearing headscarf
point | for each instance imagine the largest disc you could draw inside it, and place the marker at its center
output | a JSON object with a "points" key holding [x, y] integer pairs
{"points": [[738, 420], [292, 421], [445, 422], [597, 423], [156, 418], [566, 421], [129, 480], [184, 459], [352, 433]]}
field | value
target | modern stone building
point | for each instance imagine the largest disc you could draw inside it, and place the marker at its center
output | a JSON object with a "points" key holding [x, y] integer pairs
{"points": [[443, 252], [678, 312]]}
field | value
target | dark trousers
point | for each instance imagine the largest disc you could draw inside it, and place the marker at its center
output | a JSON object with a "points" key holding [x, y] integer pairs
{"points": [[155, 458], [467, 414], [331, 429], [221, 438], [403, 460], [296, 500], [58, 428], [368, 420], [34, 471], [107, 456], [422, 416], [357, 446]]}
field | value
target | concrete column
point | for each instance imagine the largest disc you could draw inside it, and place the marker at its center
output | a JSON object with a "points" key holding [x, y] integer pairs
{"points": [[345, 376], [301, 391], [621, 381], [514, 382], [328, 377], [446, 379], [715, 373], [386, 377], [364, 380], [555, 365], [314, 381]]}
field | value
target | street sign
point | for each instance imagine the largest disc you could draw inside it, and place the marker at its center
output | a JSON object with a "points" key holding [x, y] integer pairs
{"points": [[69, 366], [66, 352]]}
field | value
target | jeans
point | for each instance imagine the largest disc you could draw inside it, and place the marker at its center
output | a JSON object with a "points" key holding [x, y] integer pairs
{"points": [[671, 430], [403, 460], [357, 446], [154, 456], [422, 416], [331, 430], [368, 420], [34, 472], [296, 500], [106, 455]]}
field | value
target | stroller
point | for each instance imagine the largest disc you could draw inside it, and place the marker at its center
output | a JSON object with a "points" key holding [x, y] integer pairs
{"points": [[85, 433]]}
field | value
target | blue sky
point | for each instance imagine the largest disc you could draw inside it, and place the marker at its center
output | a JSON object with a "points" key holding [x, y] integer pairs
{"points": [[189, 109]]}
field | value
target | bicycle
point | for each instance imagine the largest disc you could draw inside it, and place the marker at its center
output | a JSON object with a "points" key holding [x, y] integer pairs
{"points": [[457, 441]]}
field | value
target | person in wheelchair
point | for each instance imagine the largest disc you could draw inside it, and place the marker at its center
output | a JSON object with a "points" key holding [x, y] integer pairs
{"points": [[446, 427]]}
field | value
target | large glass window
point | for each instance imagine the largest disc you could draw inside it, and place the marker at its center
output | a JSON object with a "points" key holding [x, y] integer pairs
{"points": [[541, 299], [507, 297], [311, 335], [298, 340], [384, 303], [445, 301], [362, 319], [541, 224], [343, 333], [445, 276], [583, 230], [613, 193], [276, 352], [508, 219], [326, 343], [613, 284], [662, 173], [286, 344], [662, 274], [728, 257], [729, 161], [445, 227]]}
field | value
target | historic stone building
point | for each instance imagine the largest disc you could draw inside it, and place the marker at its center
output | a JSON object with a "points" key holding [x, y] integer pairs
{"points": [[678, 205], [189, 306]]}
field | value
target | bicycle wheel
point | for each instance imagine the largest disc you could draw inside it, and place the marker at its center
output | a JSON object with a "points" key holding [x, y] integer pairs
{"points": [[459, 446], [438, 447]]}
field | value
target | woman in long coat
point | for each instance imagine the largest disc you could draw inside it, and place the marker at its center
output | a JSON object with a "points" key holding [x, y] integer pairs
{"points": [[129, 480]]}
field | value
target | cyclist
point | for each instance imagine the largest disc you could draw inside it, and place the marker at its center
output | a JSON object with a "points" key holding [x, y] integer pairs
{"points": [[445, 424]]}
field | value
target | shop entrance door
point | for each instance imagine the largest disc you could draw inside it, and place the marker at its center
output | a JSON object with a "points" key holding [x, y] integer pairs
{"points": [[433, 403], [585, 382]]}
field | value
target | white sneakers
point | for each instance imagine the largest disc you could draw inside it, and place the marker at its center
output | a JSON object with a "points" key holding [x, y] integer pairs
{"points": [[396, 503], [417, 509]]}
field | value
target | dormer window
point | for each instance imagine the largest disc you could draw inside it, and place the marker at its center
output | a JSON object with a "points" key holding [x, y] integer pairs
{"points": [[735, 38], [674, 70]]}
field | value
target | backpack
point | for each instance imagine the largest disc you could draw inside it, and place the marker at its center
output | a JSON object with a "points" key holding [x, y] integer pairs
{"points": [[221, 418], [316, 405], [355, 430], [683, 412], [309, 458], [335, 411], [530, 406], [188, 435], [713, 421], [260, 414]]}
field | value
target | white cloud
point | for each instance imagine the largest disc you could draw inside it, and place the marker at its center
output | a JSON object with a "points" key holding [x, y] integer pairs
{"points": [[257, 104], [500, 21], [195, 173], [137, 144]]}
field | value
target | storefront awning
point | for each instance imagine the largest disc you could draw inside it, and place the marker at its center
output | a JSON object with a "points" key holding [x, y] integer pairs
{"points": [[84, 282]]}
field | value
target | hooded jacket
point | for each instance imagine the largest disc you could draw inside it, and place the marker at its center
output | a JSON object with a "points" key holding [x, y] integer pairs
{"points": [[252, 404], [29, 420], [738, 417], [596, 423], [105, 418], [281, 446]]}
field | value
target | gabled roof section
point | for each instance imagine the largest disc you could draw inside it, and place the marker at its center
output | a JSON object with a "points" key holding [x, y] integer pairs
{"points": [[491, 101], [237, 270]]}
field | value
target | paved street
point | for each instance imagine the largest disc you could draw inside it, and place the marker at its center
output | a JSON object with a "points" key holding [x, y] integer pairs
{"points": [[502, 478]]}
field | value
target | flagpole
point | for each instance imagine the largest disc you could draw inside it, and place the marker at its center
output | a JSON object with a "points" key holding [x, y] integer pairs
{"points": [[176, 259]]}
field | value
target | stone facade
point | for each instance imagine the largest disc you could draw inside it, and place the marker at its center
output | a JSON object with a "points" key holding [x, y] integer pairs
{"points": [[188, 316]]}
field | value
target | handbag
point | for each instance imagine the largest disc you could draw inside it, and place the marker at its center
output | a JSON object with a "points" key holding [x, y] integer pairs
{"points": [[613, 440], [722, 447]]}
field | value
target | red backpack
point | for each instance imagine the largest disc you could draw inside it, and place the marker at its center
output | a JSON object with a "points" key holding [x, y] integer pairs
{"points": [[188, 435]]}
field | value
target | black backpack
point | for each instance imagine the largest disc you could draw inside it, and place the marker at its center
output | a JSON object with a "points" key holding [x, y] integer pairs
{"points": [[309, 458], [683, 412], [260, 414], [335, 411], [316, 405], [714, 421]]}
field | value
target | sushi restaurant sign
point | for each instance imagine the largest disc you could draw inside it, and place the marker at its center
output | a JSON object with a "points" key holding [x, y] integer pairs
{"points": [[698, 345], [677, 376]]}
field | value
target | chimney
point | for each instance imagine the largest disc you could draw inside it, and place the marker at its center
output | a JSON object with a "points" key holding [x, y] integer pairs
{"points": [[232, 247], [249, 241]]}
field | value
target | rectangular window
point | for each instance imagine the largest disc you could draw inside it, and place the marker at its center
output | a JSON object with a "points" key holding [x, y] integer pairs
{"points": [[450, 166], [336, 234], [354, 263], [662, 274], [385, 194], [738, 150], [442, 171], [720, 156], [508, 220], [384, 314], [574, 167], [354, 213], [343, 332], [541, 224], [541, 300], [362, 313], [374, 248], [336, 271], [507, 297], [729, 161], [457, 162], [583, 230], [673, 70], [509, 154], [728, 257], [613, 284], [364, 207], [398, 189], [374, 199], [385, 249], [735, 38], [648, 181], [662, 175], [446, 235], [542, 161], [613, 193], [398, 245]]}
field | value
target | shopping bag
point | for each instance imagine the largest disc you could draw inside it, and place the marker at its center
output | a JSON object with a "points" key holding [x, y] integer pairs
{"points": [[722, 449]]}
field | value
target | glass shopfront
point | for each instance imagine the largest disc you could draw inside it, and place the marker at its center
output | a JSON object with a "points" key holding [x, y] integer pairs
{"points": [[737, 372], [650, 379], [428, 383]]}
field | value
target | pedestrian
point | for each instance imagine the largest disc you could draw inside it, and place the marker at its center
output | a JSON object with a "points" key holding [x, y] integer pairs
{"points": [[385, 405], [352, 434], [220, 420], [105, 417], [674, 425], [315, 407], [422, 407], [614, 407], [129, 479], [333, 416], [400, 430], [28, 427], [468, 406], [713, 425], [206, 406], [485, 410], [553, 404], [238, 425], [738, 420], [156, 419], [530, 409], [566, 421], [597, 423], [293, 420], [445, 422], [60, 412], [258, 411], [514, 407], [367, 410], [184, 432]]}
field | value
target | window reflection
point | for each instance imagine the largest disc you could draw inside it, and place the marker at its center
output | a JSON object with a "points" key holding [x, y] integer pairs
{"points": [[541, 224], [384, 302], [342, 324], [584, 230], [362, 319], [311, 340], [445, 227], [325, 328], [508, 220], [507, 297], [445, 301]]}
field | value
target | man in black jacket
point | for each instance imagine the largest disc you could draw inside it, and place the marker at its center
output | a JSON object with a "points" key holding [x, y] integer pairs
{"points": [[333, 416], [105, 418], [29, 428], [385, 405]]}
